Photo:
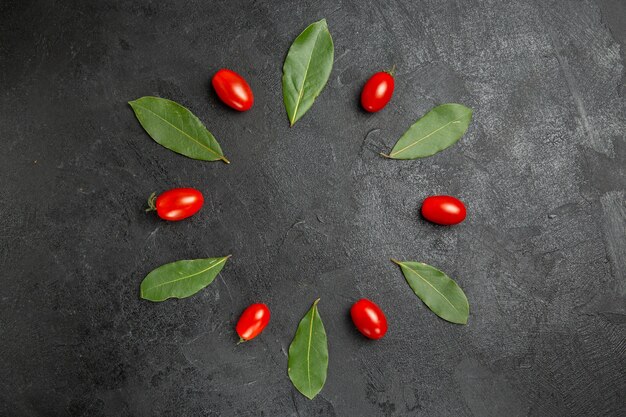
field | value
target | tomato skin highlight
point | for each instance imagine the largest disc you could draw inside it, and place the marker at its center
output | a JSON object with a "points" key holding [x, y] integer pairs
{"points": [[444, 210], [252, 321], [178, 203], [377, 92], [233, 90], [369, 319]]}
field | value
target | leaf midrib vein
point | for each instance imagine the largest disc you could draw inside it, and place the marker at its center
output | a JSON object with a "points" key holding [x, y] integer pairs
{"points": [[431, 285], [425, 137], [308, 352], [181, 131], [188, 276]]}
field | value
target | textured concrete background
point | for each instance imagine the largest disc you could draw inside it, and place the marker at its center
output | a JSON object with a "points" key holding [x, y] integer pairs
{"points": [[313, 211]]}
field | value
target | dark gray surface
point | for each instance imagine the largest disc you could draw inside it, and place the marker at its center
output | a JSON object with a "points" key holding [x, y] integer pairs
{"points": [[313, 211]]}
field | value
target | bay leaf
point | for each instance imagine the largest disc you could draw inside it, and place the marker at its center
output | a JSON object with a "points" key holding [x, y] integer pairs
{"points": [[438, 291], [180, 279], [437, 130], [306, 69], [178, 129], [308, 354]]}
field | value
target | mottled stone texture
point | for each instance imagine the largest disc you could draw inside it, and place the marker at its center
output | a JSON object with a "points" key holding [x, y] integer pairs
{"points": [[314, 211]]}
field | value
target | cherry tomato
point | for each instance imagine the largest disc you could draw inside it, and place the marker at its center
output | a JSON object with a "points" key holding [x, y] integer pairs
{"points": [[377, 91], [369, 319], [233, 90], [177, 203], [252, 321], [443, 209]]}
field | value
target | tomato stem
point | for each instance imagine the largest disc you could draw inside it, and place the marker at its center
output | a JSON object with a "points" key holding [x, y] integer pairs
{"points": [[392, 71], [152, 202]]}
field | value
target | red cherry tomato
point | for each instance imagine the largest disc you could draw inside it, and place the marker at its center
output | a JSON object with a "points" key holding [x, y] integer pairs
{"points": [[252, 321], [177, 203], [233, 90], [369, 319], [377, 92], [443, 209]]}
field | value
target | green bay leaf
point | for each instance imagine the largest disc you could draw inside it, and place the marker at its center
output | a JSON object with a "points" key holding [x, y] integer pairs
{"points": [[437, 130], [306, 69], [181, 279], [178, 129], [438, 291], [308, 354]]}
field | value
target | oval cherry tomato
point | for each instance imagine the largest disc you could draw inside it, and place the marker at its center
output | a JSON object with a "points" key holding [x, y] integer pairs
{"points": [[177, 203], [443, 209], [369, 319], [377, 91], [252, 321], [233, 90]]}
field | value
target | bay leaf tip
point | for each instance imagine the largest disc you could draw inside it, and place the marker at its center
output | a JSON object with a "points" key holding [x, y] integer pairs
{"points": [[309, 396]]}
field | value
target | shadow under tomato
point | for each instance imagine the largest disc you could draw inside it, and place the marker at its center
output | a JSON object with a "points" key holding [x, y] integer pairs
{"points": [[214, 100], [357, 101], [353, 330]]}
